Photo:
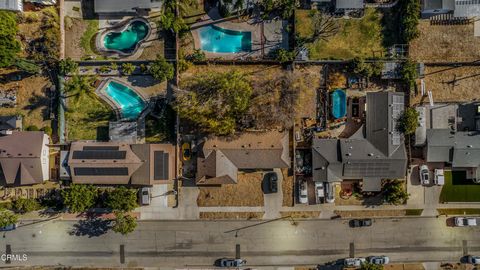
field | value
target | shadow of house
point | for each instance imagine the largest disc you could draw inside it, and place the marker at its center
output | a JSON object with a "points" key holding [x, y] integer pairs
{"points": [[369, 156]]}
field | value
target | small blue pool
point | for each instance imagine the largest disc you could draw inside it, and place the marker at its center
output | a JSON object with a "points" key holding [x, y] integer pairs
{"points": [[129, 102], [339, 103], [219, 40]]}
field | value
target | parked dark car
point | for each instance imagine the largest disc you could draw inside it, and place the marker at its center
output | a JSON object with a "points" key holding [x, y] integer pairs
{"points": [[270, 183], [226, 262], [10, 227], [355, 223]]}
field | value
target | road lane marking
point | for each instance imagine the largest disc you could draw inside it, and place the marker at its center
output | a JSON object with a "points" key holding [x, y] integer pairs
{"points": [[352, 250], [237, 251], [8, 251], [122, 254]]}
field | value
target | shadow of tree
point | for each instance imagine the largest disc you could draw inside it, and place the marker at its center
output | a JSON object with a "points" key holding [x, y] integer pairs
{"points": [[91, 227], [142, 81], [38, 102]]}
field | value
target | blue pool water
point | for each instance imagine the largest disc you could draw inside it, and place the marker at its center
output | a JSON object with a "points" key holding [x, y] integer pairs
{"points": [[127, 40], [130, 103], [218, 40], [339, 103]]}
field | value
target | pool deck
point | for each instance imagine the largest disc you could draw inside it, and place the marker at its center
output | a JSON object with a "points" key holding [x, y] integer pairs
{"points": [[100, 91], [266, 35]]}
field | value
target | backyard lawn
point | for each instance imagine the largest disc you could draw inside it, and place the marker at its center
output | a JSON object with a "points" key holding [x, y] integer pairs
{"points": [[356, 37], [88, 119], [458, 189]]}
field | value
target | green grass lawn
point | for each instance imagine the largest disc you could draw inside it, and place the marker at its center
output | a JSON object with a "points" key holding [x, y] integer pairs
{"points": [[459, 211], [194, 12], [86, 39], [458, 189], [356, 37], [88, 119]]}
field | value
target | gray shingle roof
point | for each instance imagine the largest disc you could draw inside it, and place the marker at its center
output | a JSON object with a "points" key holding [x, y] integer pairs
{"points": [[124, 6], [349, 4], [461, 149]]}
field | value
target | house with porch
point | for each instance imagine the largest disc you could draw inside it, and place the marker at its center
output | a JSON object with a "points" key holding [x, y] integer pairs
{"points": [[375, 152]]}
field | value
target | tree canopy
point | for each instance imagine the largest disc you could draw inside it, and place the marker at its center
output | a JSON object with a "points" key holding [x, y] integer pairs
{"points": [[23, 205], [394, 192], [66, 66], [410, 10], [359, 66], [9, 45], [215, 101], [409, 73], [408, 121], [7, 218], [124, 223], [79, 86], [122, 199], [161, 70], [79, 198]]}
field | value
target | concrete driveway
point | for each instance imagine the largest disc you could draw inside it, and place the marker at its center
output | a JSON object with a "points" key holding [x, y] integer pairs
{"points": [[273, 202]]}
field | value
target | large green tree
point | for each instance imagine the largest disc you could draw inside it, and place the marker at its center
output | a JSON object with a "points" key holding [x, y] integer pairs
{"points": [[79, 86], [122, 199], [410, 10], [215, 101], [408, 121], [161, 70], [124, 223], [79, 198], [7, 218], [9, 45], [66, 66], [395, 192]]}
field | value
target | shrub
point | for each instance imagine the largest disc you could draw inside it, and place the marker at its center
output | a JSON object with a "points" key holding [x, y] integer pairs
{"points": [[394, 192], [410, 10], [196, 56], [183, 65], [409, 73], [161, 70], [7, 218], [408, 121], [32, 128], [66, 66], [23, 205], [281, 55], [48, 130], [114, 66], [122, 199], [79, 198], [124, 223], [104, 69]]}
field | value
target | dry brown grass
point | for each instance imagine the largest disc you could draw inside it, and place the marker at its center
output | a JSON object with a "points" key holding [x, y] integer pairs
{"points": [[371, 213], [450, 84], [287, 188], [301, 214], [444, 43], [73, 34], [404, 266], [32, 102], [311, 79], [247, 192], [231, 215]]}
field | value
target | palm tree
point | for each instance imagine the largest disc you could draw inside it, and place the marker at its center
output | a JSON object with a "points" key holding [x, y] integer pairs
{"points": [[80, 86]]}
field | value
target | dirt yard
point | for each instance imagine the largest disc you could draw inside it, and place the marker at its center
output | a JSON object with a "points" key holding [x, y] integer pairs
{"points": [[231, 215], [287, 188], [247, 192], [74, 29], [450, 84], [445, 43], [371, 213], [301, 214], [32, 100]]}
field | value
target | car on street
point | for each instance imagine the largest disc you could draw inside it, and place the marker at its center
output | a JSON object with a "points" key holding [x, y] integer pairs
{"points": [[465, 221], [144, 196], [9, 227], [439, 177], [226, 262], [303, 192], [270, 183], [379, 259], [319, 191], [329, 192], [354, 262], [186, 151], [424, 175], [473, 259], [364, 222]]}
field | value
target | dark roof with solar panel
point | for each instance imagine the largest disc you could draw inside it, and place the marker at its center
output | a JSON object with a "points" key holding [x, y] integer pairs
{"points": [[160, 171], [96, 154], [87, 171]]}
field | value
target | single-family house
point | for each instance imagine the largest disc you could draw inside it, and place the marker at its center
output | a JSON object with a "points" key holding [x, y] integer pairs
{"points": [[125, 6], [24, 158], [458, 8], [119, 163], [8, 123], [221, 160], [12, 5], [375, 152]]}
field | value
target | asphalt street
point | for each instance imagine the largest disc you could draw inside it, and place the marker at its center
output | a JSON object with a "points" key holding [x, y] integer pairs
{"points": [[196, 244]]}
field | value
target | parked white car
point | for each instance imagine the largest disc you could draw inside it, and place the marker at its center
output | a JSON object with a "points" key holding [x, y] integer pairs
{"points": [[473, 259], [379, 259], [354, 262], [439, 178], [424, 175], [465, 221], [303, 192], [144, 195], [320, 191]]}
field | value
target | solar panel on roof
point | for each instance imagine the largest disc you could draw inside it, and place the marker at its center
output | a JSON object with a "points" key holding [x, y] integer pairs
{"points": [[95, 154], [160, 163], [101, 148], [90, 171]]}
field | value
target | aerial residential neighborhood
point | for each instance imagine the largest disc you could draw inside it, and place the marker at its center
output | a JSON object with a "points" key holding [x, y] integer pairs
{"points": [[240, 134]]}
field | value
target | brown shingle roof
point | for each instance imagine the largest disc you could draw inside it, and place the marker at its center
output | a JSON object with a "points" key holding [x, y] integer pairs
{"points": [[223, 158]]}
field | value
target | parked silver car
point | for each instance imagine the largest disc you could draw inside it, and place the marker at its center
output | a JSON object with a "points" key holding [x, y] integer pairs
{"points": [[424, 175], [379, 259], [302, 192], [144, 196]]}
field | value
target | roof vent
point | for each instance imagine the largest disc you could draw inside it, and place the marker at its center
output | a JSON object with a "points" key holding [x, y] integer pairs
{"points": [[469, 146], [370, 154], [348, 154]]}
